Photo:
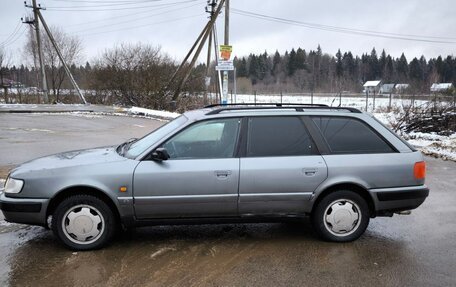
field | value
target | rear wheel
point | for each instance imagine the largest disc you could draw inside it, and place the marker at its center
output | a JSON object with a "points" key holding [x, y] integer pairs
{"points": [[341, 216], [83, 222]]}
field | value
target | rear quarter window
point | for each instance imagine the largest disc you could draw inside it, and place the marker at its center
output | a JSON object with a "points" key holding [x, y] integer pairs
{"points": [[346, 135]]}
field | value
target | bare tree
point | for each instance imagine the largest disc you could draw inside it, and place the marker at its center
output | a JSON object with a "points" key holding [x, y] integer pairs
{"points": [[70, 47], [133, 74]]}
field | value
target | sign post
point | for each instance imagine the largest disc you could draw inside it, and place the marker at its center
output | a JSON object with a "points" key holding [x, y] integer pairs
{"points": [[225, 65]]}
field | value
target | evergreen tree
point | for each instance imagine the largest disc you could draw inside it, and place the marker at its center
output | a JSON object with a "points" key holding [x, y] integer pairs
{"points": [[388, 73], [292, 65], [301, 59], [276, 63], [339, 64], [374, 70], [415, 71], [349, 66], [382, 63], [402, 68], [241, 68]]}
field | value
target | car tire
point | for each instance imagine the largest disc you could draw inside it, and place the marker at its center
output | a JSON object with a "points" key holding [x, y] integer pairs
{"points": [[341, 216], [83, 222]]}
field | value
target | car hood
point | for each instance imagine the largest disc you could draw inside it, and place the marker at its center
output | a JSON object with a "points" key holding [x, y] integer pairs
{"points": [[69, 159]]}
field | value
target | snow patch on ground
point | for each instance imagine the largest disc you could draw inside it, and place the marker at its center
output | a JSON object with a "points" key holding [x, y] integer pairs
{"points": [[28, 106], [435, 145], [90, 115], [152, 113], [4, 223], [431, 144], [345, 101]]}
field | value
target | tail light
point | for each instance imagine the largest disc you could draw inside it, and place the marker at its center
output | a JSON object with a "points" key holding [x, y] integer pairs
{"points": [[419, 170]]}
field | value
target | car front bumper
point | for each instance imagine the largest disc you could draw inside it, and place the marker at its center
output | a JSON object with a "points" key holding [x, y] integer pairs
{"points": [[24, 210], [399, 198]]}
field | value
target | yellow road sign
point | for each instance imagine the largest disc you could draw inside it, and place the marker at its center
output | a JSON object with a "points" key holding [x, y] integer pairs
{"points": [[226, 48]]}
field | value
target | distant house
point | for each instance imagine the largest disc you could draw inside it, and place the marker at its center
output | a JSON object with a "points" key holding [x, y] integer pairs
{"points": [[400, 88], [387, 89], [372, 87], [6, 83], [9, 86], [441, 87]]}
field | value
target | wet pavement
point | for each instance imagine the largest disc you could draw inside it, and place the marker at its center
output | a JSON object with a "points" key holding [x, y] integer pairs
{"points": [[27, 136], [414, 250]]}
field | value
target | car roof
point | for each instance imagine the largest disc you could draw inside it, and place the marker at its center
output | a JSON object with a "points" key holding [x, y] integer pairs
{"points": [[269, 109]]}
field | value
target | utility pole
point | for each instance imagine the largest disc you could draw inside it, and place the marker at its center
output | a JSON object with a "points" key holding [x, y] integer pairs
{"points": [[226, 42], [219, 78], [36, 23], [37, 18], [65, 66], [199, 43], [227, 22], [210, 10]]}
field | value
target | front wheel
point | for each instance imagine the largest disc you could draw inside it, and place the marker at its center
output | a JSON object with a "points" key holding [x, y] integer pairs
{"points": [[83, 222], [341, 216]]}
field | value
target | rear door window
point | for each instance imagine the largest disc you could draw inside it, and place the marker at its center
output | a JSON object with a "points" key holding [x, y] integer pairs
{"points": [[348, 135], [278, 136]]}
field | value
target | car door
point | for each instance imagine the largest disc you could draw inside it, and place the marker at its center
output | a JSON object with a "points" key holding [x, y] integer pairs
{"points": [[281, 167], [200, 179]]}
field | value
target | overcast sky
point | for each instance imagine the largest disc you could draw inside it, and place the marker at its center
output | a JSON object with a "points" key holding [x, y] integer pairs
{"points": [[175, 24]]}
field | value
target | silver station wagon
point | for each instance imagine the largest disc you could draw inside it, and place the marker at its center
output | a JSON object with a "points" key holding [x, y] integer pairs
{"points": [[231, 163]]}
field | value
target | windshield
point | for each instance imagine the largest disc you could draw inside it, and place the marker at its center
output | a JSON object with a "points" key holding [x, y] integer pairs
{"points": [[141, 145]]}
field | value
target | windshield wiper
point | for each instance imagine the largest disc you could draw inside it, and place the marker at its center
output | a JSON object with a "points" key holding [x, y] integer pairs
{"points": [[125, 146]]}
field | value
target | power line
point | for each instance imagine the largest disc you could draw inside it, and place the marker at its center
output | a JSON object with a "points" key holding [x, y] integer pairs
{"points": [[344, 30], [134, 20], [103, 1], [116, 9], [127, 15], [106, 4], [145, 25], [10, 36], [14, 40]]}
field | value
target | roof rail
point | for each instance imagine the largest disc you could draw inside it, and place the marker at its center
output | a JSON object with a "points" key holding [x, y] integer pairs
{"points": [[273, 106], [265, 104]]}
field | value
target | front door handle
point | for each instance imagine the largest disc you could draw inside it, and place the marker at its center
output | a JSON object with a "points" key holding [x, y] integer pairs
{"points": [[222, 173]]}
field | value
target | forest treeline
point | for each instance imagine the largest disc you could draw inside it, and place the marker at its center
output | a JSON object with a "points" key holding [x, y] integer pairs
{"points": [[299, 70]]}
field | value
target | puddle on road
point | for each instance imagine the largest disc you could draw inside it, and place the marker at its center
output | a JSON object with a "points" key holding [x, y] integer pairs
{"points": [[389, 254], [12, 237], [196, 256]]}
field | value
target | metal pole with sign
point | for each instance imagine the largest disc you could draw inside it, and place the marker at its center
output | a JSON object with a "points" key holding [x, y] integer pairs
{"points": [[225, 65]]}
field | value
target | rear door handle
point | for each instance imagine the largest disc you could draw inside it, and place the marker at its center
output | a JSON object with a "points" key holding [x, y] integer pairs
{"points": [[310, 171], [222, 173]]}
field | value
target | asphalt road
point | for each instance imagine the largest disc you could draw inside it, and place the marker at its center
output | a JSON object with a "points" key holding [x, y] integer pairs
{"points": [[414, 250]]}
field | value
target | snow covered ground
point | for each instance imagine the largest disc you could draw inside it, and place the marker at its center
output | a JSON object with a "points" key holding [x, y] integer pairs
{"points": [[152, 113], [435, 145], [356, 102]]}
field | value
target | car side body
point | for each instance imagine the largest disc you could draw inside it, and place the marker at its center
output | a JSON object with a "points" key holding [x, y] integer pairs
{"points": [[246, 175]]}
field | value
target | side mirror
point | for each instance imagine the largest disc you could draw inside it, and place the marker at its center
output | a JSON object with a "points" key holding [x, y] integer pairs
{"points": [[160, 154]]}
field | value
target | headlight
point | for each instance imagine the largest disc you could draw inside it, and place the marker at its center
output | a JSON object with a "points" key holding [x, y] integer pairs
{"points": [[13, 185]]}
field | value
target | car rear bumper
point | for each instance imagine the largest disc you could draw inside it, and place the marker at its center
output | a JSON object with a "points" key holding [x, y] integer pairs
{"points": [[399, 198], [24, 210]]}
